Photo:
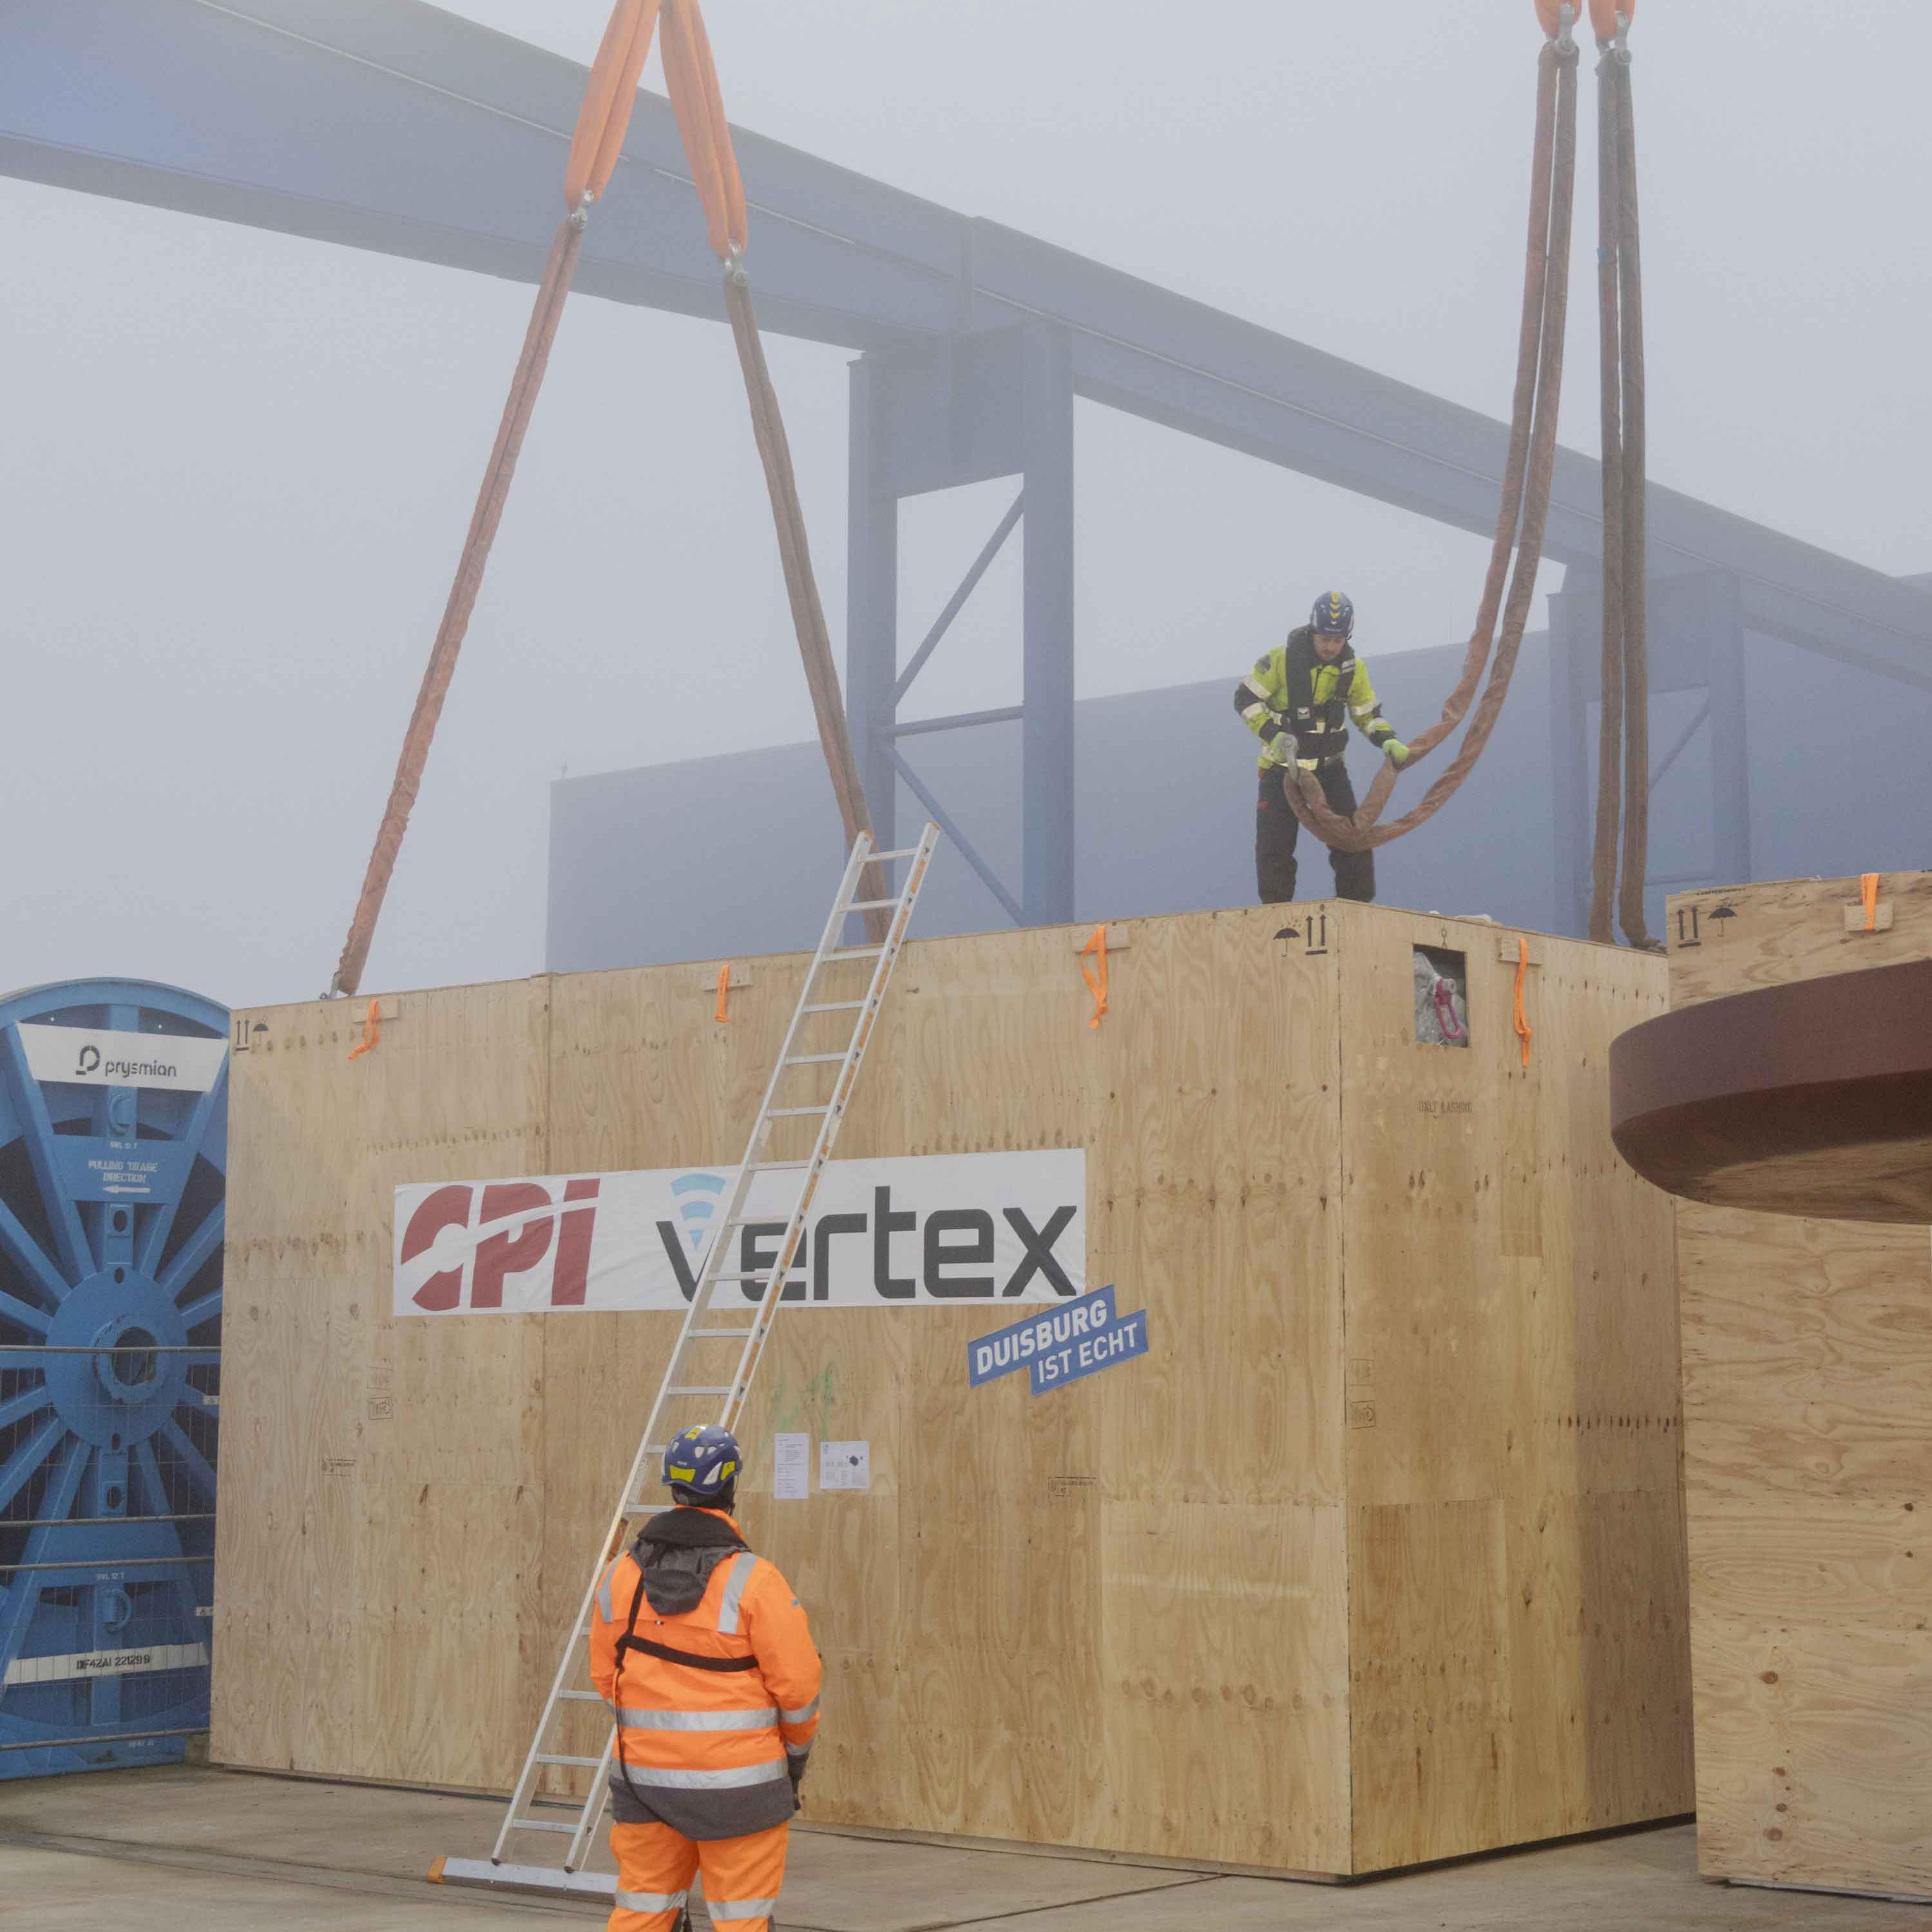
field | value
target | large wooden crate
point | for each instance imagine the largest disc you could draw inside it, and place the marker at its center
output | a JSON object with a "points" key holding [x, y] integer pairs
{"points": [[1375, 1557], [1807, 1394]]}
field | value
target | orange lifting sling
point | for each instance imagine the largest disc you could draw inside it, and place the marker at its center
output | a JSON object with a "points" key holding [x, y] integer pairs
{"points": [[609, 96]]}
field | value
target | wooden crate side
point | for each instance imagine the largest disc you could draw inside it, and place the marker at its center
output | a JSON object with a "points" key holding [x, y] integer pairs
{"points": [[1808, 1368], [1519, 1658], [381, 1498], [1732, 939], [1011, 1617], [1808, 1414]]}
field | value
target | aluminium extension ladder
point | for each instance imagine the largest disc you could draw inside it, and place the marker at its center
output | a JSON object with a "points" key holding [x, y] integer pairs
{"points": [[705, 1326]]}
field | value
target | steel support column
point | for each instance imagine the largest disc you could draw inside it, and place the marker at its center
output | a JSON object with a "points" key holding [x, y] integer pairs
{"points": [[998, 403], [872, 605], [1047, 428]]}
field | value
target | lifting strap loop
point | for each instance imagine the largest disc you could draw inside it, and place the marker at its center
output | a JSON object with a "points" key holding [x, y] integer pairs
{"points": [[724, 993], [1868, 885], [1545, 317], [1096, 981], [372, 1029], [1524, 1031], [604, 119], [692, 79], [609, 96]]}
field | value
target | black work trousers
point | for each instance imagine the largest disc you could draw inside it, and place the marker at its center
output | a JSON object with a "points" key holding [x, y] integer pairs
{"points": [[1275, 827]]}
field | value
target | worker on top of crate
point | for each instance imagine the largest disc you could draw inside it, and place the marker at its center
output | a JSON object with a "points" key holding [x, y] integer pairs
{"points": [[703, 1653], [1297, 700]]}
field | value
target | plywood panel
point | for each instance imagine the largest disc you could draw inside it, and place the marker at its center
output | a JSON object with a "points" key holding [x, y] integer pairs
{"points": [[1807, 1366], [1519, 1657], [369, 1461], [1732, 940]]}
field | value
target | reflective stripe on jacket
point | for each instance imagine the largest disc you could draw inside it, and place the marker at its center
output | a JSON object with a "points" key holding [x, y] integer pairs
{"points": [[1292, 690], [712, 1734]]}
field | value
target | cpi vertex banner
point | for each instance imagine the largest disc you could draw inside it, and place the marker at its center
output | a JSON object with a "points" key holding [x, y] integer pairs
{"points": [[942, 1229]]}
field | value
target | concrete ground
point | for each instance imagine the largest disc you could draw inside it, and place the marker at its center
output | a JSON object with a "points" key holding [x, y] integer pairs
{"points": [[191, 1849]]}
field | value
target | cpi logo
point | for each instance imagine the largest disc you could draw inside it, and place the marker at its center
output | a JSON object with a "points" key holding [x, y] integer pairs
{"points": [[478, 1235]]}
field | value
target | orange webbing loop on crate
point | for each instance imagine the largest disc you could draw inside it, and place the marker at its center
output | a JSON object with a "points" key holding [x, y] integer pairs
{"points": [[1096, 982], [724, 992], [1524, 1031], [604, 119], [372, 1029], [692, 79], [1868, 884]]}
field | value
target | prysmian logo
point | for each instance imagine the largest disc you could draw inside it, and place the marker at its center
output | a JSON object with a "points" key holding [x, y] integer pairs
{"points": [[129, 1070], [88, 1063]]}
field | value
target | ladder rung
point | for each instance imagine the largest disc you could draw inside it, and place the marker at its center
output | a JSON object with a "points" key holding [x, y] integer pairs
{"points": [[814, 1059], [870, 905], [552, 1757], [835, 1006], [720, 1334], [786, 1113], [581, 1696], [544, 1825], [696, 1388], [905, 852], [773, 1166], [855, 952]]}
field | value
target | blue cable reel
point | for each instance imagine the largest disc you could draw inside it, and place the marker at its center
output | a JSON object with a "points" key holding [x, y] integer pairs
{"points": [[113, 1158]]}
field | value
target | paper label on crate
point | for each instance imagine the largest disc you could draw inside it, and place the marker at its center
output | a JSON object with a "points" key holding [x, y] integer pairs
{"points": [[845, 1466], [937, 1230], [93, 1056], [791, 1467]]}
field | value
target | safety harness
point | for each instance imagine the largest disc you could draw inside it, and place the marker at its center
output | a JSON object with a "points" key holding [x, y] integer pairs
{"points": [[1320, 731], [675, 1553]]}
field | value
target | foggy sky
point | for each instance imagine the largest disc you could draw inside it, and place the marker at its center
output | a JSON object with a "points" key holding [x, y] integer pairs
{"points": [[238, 466]]}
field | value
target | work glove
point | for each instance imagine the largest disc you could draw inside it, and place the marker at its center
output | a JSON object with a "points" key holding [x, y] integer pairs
{"points": [[1397, 752]]}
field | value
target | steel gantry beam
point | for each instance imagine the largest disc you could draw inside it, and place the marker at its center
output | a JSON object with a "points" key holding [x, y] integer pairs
{"points": [[390, 125]]}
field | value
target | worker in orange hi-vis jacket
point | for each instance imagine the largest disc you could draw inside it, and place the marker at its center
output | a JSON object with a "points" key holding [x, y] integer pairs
{"points": [[703, 1653]]}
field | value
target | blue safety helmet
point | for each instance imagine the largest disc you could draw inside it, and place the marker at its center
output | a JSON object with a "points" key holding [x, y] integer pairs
{"points": [[1333, 616], [701, 1466]]}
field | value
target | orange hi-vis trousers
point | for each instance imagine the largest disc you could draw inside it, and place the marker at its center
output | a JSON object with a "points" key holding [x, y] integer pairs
{"points": [[655, 1866]]}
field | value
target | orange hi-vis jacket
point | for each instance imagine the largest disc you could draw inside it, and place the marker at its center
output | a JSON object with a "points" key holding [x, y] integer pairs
{"points": [[706, 1659]]}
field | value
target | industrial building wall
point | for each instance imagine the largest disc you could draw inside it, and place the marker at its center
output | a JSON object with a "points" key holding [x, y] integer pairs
{"points": [[725, 855], [729, 856]]}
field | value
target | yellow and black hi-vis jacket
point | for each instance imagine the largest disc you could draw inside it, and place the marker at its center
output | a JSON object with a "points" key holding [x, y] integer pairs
{"points": [[1291, 691]]}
